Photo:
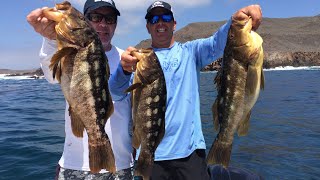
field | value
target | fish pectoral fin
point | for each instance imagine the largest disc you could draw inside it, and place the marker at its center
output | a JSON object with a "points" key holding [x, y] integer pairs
{"points": [[215, 115], [254, 56], [55, 63], [244, 125], [76, 123], [133, 87], [252, 80], [262, 79]]}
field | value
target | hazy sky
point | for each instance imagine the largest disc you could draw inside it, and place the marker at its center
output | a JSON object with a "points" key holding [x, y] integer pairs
{"points": [[19, 45]]}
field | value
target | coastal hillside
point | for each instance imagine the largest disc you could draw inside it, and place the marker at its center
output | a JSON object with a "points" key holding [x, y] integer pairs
{"points": [[287, 41]]}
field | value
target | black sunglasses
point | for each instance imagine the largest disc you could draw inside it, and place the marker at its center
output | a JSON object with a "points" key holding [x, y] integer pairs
{"points": [[96, 17], [165, 18]]}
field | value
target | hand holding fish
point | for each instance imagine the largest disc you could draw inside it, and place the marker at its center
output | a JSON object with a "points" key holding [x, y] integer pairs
{"points": [[253, 11], [128, 62], [41, 24]]}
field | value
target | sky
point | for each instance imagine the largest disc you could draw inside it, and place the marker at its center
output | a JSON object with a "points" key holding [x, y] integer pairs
{"points": [[20, 44]]}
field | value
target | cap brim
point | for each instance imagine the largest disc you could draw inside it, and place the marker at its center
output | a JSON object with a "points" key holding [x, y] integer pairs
{"points": [[149, 13], [102, 4]]}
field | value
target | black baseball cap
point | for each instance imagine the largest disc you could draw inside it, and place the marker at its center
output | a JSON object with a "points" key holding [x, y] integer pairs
{"points": [[95, 4], [156, 4]]}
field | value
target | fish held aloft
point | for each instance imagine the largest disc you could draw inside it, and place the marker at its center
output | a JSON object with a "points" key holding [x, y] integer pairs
{"points": [[81, 67], [238, 84], [149, 96]]}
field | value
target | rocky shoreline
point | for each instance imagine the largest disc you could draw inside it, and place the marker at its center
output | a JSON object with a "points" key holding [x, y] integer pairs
{"points": [[271, 60], [33, 74], [286, 42], [295, 59]]}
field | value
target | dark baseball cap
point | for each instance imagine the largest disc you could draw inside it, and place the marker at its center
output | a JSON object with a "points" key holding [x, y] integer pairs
{"points": [[156, 4], [95, 4]]}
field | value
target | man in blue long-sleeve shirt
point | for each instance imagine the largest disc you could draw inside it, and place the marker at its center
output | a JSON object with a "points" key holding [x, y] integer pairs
{"points": [[181, 153]]}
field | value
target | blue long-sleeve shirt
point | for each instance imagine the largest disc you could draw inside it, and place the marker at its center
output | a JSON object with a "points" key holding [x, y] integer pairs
{"points": [[181, 65]]}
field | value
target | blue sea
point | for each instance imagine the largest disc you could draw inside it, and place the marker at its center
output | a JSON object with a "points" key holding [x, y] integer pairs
{"points": [[283, 140]]}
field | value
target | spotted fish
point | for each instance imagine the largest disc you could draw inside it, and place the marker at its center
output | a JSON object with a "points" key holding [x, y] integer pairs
{"points": [[81, 67], [149, 96], [238, 83]]}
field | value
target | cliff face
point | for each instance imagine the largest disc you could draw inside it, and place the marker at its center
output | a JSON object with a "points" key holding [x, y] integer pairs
{"points": [[275, 59], [287, 41]]}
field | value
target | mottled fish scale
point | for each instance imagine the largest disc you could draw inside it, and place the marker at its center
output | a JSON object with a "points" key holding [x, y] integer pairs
{"points": [[149, 105], [80, 65], [238, 83]]}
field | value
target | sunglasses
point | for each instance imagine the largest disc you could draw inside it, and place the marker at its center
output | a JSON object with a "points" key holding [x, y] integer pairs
{"points": [[96, 17], [165, 18]]}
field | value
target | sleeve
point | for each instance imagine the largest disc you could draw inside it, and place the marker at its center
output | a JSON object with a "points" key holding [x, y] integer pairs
{"points": [[210, 49], [46, 52], [118, 83]]}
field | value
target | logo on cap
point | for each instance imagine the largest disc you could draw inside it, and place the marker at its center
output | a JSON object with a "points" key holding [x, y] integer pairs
{"points": [[108, 1], [157, 4]]}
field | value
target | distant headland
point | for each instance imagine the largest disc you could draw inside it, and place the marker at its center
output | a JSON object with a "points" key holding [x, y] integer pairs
{"points": [[33, 73], [287, 42]]}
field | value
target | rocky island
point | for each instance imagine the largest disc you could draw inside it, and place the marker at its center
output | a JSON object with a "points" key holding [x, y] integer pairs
{"points": [[287, 41]]}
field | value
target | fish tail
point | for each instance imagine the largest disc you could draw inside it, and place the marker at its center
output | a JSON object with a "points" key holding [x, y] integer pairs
{"points": [[219, 153], [144, 165], [101, 157]]}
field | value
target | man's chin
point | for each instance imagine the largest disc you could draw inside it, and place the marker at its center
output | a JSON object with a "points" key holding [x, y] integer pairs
{"points": [[106, 46]]}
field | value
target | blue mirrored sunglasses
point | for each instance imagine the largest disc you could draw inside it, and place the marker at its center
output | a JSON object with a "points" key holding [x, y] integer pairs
{"points": [[165, 18]]}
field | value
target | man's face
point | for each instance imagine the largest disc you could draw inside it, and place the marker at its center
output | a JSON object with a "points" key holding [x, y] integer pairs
{"points": [[161, 32], [106, 27]]}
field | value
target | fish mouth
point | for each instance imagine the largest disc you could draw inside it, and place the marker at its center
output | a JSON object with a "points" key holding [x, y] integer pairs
{"points": [[56, 14], [53, 14]]}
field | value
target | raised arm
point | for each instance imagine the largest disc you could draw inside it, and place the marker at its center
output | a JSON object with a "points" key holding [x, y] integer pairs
{"points": [[45, 28]]}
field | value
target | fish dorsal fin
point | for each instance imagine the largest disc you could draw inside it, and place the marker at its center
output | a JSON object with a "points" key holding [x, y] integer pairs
{"points": [[133, 87], [252, 79], [55, 63]]}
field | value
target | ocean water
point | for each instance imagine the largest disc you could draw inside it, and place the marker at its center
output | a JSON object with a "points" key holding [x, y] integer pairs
{"points": [[283, 140]]}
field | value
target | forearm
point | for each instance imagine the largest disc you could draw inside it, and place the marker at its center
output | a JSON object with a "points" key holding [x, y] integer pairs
{"points": [[118, 83], [220, 39], [209, 49], [46, 52]]}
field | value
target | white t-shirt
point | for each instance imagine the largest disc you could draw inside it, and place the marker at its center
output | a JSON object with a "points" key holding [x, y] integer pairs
{"points": [[75, 154]]}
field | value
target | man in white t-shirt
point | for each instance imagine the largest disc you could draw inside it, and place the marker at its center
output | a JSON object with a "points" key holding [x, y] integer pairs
{"points": [[74, 163]]}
